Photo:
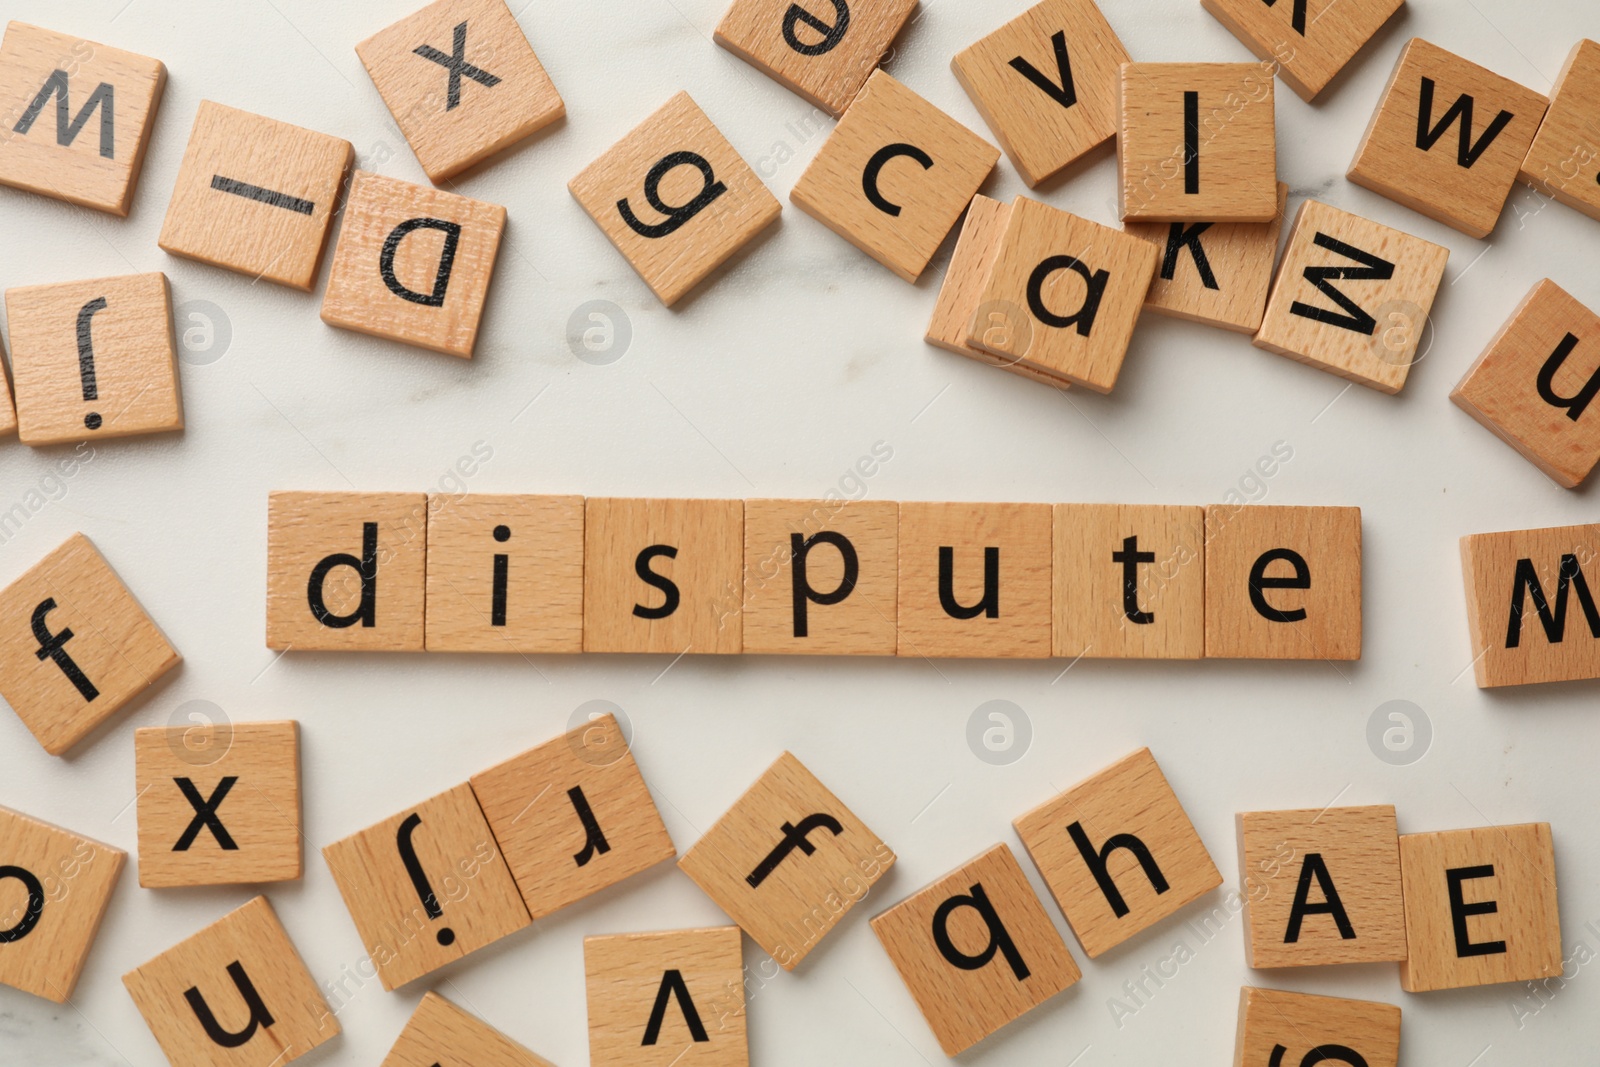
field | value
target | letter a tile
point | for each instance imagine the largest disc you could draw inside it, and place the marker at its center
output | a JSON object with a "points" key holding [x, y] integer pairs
{"points": [[1296, 1028], [822, 49], [675, 199], [413, 264], [671, 999], [440, 1034], [1533, 605]]}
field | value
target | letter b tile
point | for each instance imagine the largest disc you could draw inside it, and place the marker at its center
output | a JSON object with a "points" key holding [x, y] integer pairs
{"points": [[670, 999]]}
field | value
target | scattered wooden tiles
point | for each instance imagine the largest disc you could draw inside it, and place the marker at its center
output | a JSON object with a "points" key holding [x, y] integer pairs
{"points": [[1307, 43], [824, 50], [1563, 159], [1118, 852], [1535, 384], [894, 176], [788, 861], [675, 199], [439, 1033], [1480, 907], [78, 116], [255, 195], [1296, 1028], [218, 804], [976, 949], [1532, 605], [57, 885], [78, 646], [671, 999], [1352, 297], [413, 264], [94, 359], [1448, 138], [1046, 83]]}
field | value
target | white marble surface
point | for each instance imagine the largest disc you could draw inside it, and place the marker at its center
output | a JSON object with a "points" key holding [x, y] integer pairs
{"points": [[773, 381]]}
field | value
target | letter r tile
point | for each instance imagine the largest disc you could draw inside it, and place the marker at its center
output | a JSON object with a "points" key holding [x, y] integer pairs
{"points": [[668, 999]]}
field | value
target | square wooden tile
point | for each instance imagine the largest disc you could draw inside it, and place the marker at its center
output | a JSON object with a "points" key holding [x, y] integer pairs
{"points": [[255, 195], [984, 905], [671, 999], [461, 81], [79, 116], [823, 50], [94, 359], [236, 994], [1283, 582], [1533, 604], [1322, 887], [1130, 581], [1046, 83], [413, 264], [440, 1033], [1352, 297], [663, 576], [1564, 161], [1536, 383], [78, 646], [1308, 41], [1063, 295], [218, 804], [1293, 1028], [53, 894], [573, 816], [975, 580], [1118, 852], [505, 573], [426, 886], [346, 571], [1448, 138], [1197, 141], [821, 577], [894, 176], [1216, 273], [788, 861], [675, 199], [1480, 907]]}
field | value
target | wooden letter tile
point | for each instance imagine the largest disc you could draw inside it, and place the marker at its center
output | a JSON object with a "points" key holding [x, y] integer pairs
{"points": [[94, 359], [675, 199], [1448, 138], [822, 49], [1046, 83], [218, 804], [78, 116], [1352, 297], [671, 999], [255, 195], [1309, 41], [663, 576], [77, 646], [821, 577], [54, 888], [1217, 273], [505, 573], [976, 949], [787, 861], [1197, 141], [1322, 887], [346, 571], [1283, 582], [1533, 604], [1536, 383], [413, 264], [440, 1034], [426, 887], [894, 176], [1129, 581], [1118, 852], [1564, 161], [573, 816], [1480, 907], [236, 994], [1063, 295], [461, 81], [8, 410], [975, 580], [1294, 1028]]}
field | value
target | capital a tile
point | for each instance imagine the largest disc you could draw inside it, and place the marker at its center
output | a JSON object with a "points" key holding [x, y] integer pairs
{"points": [[665, 999], [1564, 160], [1531, 605], [439, 1034], [824, 50], [1290, 1028], [1307, 41]]}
